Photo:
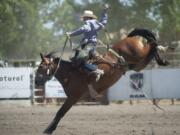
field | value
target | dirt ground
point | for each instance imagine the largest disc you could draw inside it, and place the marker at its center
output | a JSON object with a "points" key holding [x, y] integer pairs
{"points": [[114, 119]]}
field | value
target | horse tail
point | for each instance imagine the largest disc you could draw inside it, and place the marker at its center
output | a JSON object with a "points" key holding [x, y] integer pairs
{"points": [[147, 34], [152, 40]]}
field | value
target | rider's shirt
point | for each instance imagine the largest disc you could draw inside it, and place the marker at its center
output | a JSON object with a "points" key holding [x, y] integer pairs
{"points": [[90, 29]]}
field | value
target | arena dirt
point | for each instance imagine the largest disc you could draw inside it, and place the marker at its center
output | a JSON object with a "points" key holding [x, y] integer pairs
{"points": [[114, 119]]}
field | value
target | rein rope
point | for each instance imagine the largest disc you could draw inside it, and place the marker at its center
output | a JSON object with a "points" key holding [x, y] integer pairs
{"points": [[60, 58]]}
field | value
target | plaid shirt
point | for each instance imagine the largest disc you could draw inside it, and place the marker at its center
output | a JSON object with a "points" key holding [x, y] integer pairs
{"points": [[90, 29]]}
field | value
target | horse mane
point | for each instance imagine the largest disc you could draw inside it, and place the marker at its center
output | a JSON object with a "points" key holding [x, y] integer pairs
{"points": [[62, 62], [58, 59]]}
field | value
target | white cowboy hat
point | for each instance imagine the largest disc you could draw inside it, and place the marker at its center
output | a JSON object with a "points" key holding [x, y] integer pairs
{"points": [[88, 13]]}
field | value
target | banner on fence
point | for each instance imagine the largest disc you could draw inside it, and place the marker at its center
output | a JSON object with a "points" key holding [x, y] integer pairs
{"points": [[155, 83], [15, 82], [53, 89]]}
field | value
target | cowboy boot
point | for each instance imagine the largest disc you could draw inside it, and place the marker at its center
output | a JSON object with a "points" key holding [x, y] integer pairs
{"points": [[98, 73]]}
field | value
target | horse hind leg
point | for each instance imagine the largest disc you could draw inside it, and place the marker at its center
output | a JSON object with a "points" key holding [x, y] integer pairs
{"points": [[162, 48], [160, 61], [70, 101], [153, 54]]}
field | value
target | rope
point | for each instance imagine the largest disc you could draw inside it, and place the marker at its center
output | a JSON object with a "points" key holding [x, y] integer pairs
{"points": [[110, 50], [115, 53], [107, 38], [67, 38], [60, 58]]}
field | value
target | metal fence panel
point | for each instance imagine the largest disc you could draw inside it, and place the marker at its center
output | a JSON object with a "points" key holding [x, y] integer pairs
{"points": [[147, 84], [15, 82], [53, 89], [166, 83]]}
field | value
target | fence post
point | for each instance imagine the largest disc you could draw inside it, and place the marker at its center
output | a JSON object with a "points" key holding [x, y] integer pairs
{"points": [[32, 87], [37, 92]]}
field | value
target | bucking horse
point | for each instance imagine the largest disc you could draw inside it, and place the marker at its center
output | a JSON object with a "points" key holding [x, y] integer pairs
{"points": [[76, 82]]}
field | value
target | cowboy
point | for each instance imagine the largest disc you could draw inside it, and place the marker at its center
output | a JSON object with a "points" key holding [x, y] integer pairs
{"points": [[89, 29]]}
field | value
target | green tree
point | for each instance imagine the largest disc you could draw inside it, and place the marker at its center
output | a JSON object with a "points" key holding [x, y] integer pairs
{"points": [[28, 27], [21, 30], [170, 19]]}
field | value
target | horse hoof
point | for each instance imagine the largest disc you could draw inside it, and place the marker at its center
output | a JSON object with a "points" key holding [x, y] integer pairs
{"points": [[47, 132]]}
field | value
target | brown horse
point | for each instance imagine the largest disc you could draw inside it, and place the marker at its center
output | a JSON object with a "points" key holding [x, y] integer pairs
{"points": [[76, 82]]}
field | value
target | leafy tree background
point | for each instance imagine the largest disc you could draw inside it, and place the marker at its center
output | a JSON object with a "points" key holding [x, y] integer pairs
{"points": [[28, 27]]}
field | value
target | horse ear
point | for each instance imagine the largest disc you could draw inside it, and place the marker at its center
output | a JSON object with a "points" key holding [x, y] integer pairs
{"points": [[42, 57]]}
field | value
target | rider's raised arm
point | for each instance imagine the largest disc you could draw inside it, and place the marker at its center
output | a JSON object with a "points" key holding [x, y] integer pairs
{"points": [[104, 17]]}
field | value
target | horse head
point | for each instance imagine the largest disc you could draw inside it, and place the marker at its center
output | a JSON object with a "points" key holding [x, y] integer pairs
{"points": [[46, 69]]}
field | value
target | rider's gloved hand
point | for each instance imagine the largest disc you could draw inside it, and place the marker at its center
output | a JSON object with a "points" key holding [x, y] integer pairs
{"points": [[106, 6]]}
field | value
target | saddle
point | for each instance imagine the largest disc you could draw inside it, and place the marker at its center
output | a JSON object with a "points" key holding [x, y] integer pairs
{"points": [[88, 64]]}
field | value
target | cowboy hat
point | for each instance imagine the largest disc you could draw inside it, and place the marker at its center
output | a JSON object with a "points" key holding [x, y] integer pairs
{"points": [[89, 13]]}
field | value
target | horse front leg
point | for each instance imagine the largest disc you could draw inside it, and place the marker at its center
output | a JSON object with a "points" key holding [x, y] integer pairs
{"points": [[70, 101]]}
